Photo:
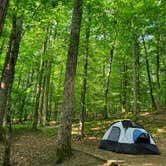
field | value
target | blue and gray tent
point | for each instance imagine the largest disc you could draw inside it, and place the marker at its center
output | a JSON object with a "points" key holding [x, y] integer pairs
{"points": [[128, 137]]}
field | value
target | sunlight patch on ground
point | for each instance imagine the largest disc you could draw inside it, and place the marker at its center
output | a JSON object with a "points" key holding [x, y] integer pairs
{"points": [[161, 130], [112, 162], [75, 130], [92, 138], [145, 113], [97, 128]]}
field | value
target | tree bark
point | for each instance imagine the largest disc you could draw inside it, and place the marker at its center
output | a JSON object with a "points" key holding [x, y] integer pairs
{"points": [[123, 86], [64, 133], [57, 97], [41, 101], [8, 134], [39, 83], [23, 96], [149, 75], [135, 73], [9, 66], [107, 83], [47, 87], [3, 10], [165, 70], [7, 82], [84, 80], [158, 72]]}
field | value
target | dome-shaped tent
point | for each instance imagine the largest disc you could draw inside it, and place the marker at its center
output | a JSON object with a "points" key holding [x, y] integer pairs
{"points": [[128, 137]]}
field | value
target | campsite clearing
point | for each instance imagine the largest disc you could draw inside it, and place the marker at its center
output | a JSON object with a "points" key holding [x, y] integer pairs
{"points": [[38, 148]]}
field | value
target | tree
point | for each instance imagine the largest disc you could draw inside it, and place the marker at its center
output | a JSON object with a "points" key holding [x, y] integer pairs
{"points": [[123, 85], [158, 71], [3, 6], [9, 66], [39, 81], [153, 103], [7, 81], [84, 78], [107, 83], [64, 133], [135, 72]]}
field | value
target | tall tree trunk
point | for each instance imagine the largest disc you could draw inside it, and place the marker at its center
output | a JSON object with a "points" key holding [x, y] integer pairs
{"points": [[84, 80], [7, 82], [3, 10], [123, 86], [57, 97], [9, 66], [64, 133], [23, 97], [135, 73], [107, 83], [47, 87], [41, 103], [38, 94], [8, 134], [149, 75], [165, 71], [39, 82], [158, 72]]}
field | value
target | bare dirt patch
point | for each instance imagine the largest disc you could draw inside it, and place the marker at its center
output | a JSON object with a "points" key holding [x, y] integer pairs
{"points": [[30, 149]]}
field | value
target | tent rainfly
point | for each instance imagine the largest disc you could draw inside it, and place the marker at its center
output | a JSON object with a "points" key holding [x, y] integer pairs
{"points": [[128, 137]]}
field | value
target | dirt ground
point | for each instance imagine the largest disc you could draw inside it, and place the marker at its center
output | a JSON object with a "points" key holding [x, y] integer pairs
{"points": [[38, 149], [32, 149]]}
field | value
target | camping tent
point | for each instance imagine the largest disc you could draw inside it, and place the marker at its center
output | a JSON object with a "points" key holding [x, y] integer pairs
{"points": [[128, 137]]}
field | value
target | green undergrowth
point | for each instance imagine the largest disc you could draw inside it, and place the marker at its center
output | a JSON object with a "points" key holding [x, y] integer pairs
{"points": [[154, 123], [19, 129]]}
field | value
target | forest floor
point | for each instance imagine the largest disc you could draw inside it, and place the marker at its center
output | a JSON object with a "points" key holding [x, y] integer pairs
{"points": [[31, 148]]}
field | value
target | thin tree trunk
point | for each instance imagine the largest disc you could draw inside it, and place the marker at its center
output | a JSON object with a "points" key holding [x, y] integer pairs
{"points": [[38, 94], [3, 10], [158, 72], [57, 97], [9, 66], [84, 81], [41, 103], [64, 133], [39, 83], [135, 73], [165, 71], [123, 86], [107, 83], [149, 75], [23, 97], [47, 87]]}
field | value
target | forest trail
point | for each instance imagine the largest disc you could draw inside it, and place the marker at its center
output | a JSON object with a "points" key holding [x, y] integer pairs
{"points": [[38, 148]]}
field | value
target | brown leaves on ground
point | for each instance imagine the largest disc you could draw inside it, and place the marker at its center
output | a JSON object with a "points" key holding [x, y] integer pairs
{"points": [[38, 148]]}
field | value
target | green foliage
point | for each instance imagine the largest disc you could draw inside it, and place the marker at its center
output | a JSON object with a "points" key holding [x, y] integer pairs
{"points": [[110, 21]]}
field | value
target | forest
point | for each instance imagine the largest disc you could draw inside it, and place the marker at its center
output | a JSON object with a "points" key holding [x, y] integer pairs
{"points": [[70, 68]]}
